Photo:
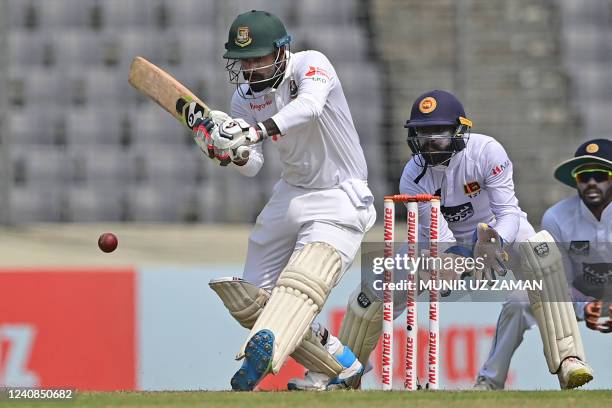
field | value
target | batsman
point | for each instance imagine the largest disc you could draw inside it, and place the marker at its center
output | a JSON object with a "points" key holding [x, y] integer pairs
{"points": [[309, 232]]}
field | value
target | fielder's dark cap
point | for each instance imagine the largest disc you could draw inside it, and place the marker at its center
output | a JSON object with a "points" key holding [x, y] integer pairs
{"points": [[437, 108], [596, 151]]}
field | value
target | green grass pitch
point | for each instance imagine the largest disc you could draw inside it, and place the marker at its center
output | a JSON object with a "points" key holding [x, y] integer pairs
{"points": [[336, 399]]}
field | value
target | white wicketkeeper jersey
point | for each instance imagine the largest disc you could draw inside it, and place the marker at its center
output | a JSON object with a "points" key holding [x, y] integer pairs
{"points": [[475, 187], [585, 243], [319, 146]]}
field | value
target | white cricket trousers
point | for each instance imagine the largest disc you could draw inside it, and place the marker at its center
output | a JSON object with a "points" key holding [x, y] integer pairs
{"points": [[296, 216]]}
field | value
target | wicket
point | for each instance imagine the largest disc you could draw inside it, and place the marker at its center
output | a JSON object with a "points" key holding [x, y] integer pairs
{"points": [[411, 305]]}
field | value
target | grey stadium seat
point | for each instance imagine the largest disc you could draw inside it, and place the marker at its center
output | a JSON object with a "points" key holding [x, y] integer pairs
{"points": [[34, 126], [102, 166], [41, 87], [165, 165], [325, 12], [154, 202], [94, 126], [44, 166], [339, 43], [154, 126], [122, 14], [95, 204], [61, 14], [36, 204], [27, 48]]}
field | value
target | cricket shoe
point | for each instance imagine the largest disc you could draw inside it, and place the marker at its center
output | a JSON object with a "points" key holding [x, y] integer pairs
{"points": [[349, 378], [574, 373], [482, 384], [257, 361]]}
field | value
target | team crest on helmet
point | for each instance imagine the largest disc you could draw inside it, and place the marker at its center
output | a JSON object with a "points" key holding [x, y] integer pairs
{"points": [[592, 148], [428, 105], [243, 37]]}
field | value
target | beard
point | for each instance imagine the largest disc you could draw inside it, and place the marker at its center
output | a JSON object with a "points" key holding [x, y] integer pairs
{"points": [[595, 197], [260, 86], [437, 158]]}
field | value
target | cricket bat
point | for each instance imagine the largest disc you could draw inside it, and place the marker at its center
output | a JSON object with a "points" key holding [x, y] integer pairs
{"points": [[169, 93]]}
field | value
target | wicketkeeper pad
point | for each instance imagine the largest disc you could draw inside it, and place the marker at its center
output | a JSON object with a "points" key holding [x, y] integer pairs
{"points": [[362, 325], [245, 302], [551, 306], [300, 293]]}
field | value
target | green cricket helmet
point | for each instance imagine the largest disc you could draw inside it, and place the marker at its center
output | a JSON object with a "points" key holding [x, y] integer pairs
{"points": [[255, 34]]}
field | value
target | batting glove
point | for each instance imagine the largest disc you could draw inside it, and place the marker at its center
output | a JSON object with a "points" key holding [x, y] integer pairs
{"points": [[203, 131], [232, 141]]}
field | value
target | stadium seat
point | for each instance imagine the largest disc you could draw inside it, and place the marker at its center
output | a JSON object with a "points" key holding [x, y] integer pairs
{"points": [[40, 166], [25, 126], [94, 126], [95, 204], [60, 14], [39, 87], [324, 12], [37, 204], [31, 49], [161, 202], [341, 44], [77, 49], [153, 126], [165, 165], [121, 14], [103, 166]]}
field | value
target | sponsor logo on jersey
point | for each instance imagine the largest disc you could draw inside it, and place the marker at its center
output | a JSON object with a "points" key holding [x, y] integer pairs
{"points": [[317, 74], [579, 247], [260, 106], [428, 105], [243, 37], [471, 189], [597, 273], [500, 168], [541, 250], [457, 213]]}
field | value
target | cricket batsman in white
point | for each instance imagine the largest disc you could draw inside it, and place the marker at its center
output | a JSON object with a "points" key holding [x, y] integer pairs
{"points": [[309, 232], [581, 226], [482, 219]]}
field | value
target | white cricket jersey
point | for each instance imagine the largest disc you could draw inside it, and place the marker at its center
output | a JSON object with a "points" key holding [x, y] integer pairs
{"points": [[475, 187], [585, 243], [319, 146]]}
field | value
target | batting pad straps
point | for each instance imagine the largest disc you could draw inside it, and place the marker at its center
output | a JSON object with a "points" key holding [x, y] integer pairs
{"points": [[551, 306], [314, 356], [243, 300], [301, 290], [362, 325]]}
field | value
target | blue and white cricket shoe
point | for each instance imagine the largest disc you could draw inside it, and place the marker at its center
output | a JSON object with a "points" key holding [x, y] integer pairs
{"points": [[349, 378], [257, 361]]}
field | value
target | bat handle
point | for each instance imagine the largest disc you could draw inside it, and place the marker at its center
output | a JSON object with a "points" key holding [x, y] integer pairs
{"points": [[243, 152]]}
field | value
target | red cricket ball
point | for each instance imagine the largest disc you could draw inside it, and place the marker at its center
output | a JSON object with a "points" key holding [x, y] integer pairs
{"points": [[108, 242]]}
